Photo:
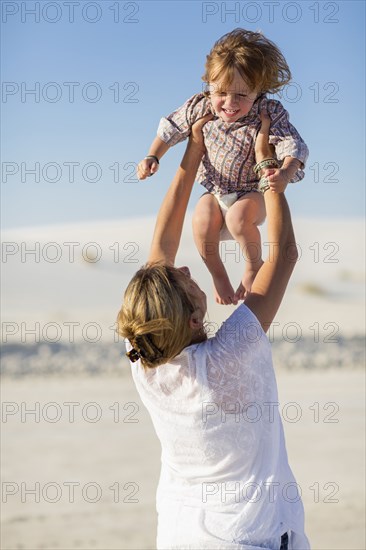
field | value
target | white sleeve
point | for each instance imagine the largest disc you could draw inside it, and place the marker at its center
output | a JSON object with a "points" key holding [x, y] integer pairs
{"points": [[177, 126], [286, 139], [238, 360]]}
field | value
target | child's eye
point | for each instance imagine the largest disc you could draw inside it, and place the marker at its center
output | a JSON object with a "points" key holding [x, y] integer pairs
{"points": [[223, 94]]}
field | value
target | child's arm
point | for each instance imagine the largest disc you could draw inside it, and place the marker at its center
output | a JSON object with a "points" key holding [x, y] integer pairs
{"points": [[149, 165], [279, 179], [172, 130]]}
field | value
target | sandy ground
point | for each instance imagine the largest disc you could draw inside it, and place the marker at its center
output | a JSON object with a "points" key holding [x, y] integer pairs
{"points": [[82, 470], [90, 457]]}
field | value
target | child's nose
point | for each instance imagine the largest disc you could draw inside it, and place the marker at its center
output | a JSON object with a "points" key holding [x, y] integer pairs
{"points": [[231, 99]]}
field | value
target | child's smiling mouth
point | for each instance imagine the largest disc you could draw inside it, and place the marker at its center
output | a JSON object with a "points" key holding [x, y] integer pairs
{"points": [[230, 112]]}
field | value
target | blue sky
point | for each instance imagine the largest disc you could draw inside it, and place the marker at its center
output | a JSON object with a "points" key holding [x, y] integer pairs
{"points": [[131, 63]]}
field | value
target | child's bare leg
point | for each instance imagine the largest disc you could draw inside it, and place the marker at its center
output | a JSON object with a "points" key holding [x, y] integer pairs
{"points": [[242, 220], [207, 223]]}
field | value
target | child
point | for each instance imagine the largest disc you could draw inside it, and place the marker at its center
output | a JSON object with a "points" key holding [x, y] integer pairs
{"points": [[241, 68]]}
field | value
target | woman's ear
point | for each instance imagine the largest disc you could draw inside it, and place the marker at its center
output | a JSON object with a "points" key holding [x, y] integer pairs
{"points": [[196, 320]]}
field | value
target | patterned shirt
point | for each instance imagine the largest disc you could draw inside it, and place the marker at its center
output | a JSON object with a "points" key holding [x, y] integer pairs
{"points": [[228, 163]]}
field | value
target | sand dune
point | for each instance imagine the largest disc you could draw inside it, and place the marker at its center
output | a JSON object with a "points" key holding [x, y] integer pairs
{"points": [[78, 273]]}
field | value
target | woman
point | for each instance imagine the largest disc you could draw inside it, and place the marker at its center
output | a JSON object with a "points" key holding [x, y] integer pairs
{"points": [[225, 481]]}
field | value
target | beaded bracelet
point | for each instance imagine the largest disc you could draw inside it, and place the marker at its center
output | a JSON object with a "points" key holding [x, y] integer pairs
{"points": [[263, 185], [266, 163]]}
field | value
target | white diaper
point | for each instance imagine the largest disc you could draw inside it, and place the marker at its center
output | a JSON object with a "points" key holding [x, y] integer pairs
{"points": [[225, 201]]}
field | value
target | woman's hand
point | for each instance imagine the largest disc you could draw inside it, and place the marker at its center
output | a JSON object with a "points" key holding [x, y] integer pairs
{"points": [[196, 137]]}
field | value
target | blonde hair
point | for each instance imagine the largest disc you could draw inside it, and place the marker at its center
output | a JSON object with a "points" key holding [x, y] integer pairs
{"points": [[258, 60], [155, 314]]}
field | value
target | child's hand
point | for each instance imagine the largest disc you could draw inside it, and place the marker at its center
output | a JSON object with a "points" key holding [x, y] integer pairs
{"points": [[146, 168], [277, 178]]}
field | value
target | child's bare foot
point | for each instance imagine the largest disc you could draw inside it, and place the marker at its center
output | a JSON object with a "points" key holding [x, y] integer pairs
{"points": [[246, 283], [224, 292]]}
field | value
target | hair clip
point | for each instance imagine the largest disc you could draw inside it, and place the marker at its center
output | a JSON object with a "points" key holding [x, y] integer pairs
{"points": [[133, 355]]}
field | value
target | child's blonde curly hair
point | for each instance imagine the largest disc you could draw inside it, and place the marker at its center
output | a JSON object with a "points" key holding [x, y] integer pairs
{"points": [[258, 60]]}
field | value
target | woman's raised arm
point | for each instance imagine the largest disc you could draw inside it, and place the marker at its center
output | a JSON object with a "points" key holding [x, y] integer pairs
{"points": [[271, 280], [169, 223]]}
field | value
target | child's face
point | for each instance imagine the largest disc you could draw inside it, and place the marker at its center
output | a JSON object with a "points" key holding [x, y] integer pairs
{"points": [[233, 103]]}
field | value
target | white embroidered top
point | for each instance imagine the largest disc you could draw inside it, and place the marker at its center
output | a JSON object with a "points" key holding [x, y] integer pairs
{"points": [[225, 480]]}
